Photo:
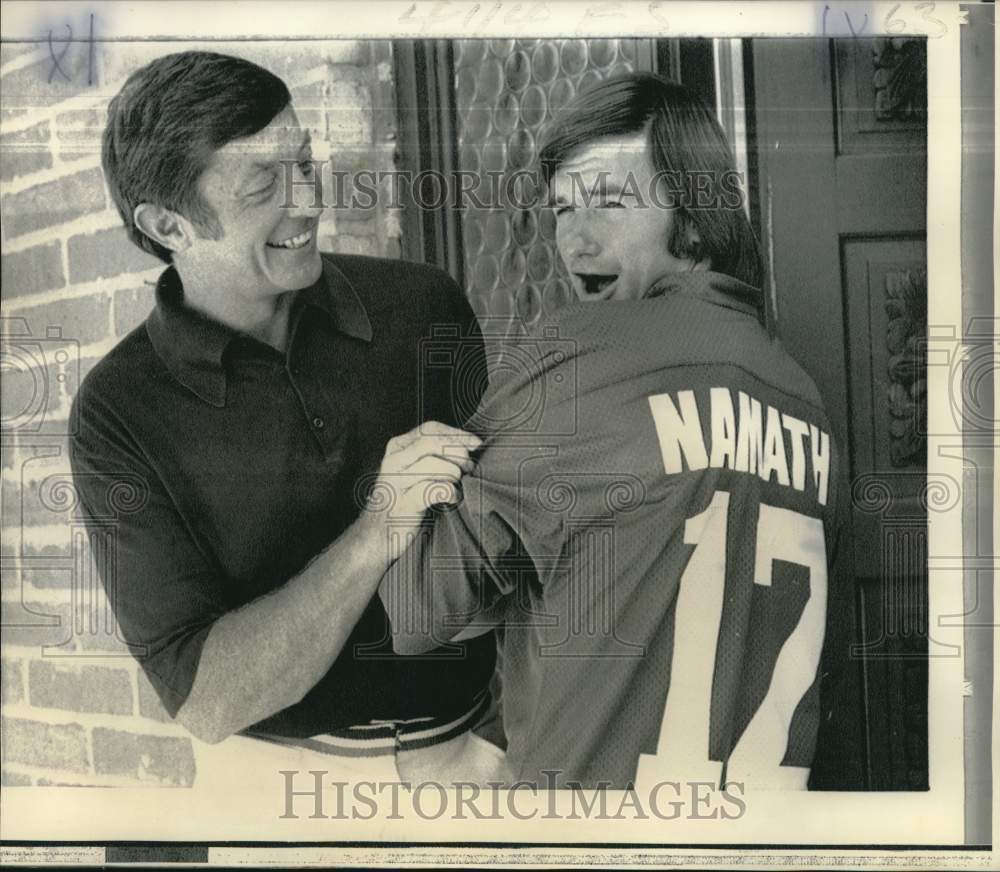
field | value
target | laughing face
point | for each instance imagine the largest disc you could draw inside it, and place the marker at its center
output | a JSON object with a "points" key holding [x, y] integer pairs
{"points": [[267, 243], [611, 234]]}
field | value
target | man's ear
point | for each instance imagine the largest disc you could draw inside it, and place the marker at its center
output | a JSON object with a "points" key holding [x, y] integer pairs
{"points": [[164, 226]]}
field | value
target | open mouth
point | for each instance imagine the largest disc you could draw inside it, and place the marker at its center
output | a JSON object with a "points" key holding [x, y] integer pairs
{"points": [[293, 242], [594, 284]]}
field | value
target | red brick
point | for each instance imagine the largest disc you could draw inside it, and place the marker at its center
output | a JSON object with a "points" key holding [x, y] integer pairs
{"points": [[32, 271], [11, 681], [105, 254], [35, 624], [149, 703], [53, 203], [36, 507], [27, 393], [132, 305], [48, 577], [11, 50], [33, 397], [25, 151], [41, 83], [87, 364], [10, 457], [10, 578], [54, 746], [82, 319], [79, 689], [344, 54], [79, 133], [107, 643], [160, 759], [62, 550]]}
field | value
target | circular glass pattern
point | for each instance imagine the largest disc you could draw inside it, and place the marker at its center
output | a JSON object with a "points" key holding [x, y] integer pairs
{"points": [[502, 47], [603, 51], [574, 56], [507, 113], [556, 295], [517, 71], [470, 52], [472, 234], [486, 273], [561, 92], [501, 303], [465, 88], [589, 79], [513, 268], [539, 262], [477, 122], [497, 230], [545, 63], [533, 106], [529, 304], [521, 149], [524, 226], [490, 80], [547, 224]]}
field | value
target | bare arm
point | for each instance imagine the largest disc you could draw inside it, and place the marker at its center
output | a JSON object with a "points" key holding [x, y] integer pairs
{"points": [[265, 656]]}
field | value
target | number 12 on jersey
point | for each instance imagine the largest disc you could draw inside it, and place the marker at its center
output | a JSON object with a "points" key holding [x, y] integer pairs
{"points": [[682, 752]]}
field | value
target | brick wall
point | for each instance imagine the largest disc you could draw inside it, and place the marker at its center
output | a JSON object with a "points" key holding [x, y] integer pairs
{"points": [[76, 708]]}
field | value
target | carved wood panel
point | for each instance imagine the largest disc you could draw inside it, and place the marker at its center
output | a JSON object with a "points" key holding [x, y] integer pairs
{"points": [[881, 94]]}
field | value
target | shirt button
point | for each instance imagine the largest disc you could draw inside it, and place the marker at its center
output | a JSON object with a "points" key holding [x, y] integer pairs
{"points": [[318, 423]]}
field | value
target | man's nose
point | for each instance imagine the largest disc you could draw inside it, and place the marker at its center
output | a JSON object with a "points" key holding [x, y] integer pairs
{"points": [[304, 191]]}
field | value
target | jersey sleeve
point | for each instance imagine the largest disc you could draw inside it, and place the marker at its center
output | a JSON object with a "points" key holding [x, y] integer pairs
{"points": [[461, 572], [451, 580]]}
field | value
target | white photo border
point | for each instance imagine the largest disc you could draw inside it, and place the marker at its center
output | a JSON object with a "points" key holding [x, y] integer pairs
{"points": [[932, 818]]}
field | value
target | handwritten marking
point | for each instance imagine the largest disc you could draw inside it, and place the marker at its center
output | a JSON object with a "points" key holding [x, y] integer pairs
{"points": [[57, 61]]}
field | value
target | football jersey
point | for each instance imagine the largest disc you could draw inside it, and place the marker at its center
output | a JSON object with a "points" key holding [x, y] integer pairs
{"points": [[651, 519]]}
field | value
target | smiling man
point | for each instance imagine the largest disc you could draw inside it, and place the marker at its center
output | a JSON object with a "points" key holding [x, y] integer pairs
{"points": [[251, 416], [657, 536]]}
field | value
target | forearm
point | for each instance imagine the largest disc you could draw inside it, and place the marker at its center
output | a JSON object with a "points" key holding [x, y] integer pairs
{"points": [[267, 655]]}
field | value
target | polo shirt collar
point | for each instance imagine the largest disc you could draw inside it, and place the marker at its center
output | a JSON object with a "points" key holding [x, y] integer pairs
{"points": [[191, 345]]}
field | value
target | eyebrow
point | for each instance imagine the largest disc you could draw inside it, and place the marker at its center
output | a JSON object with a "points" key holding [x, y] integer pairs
{"points": [[266, 164], [608, 188], [260, 166]]}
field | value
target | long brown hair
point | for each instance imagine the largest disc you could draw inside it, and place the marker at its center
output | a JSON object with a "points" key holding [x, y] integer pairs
{"points": [[685, 143]]}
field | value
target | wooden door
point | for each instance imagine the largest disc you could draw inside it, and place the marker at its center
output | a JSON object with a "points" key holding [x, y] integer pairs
{"points": [[840, 143]]}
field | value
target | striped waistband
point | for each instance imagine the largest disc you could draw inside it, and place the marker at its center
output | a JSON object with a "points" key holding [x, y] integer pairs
{"points": [[383, 737]]}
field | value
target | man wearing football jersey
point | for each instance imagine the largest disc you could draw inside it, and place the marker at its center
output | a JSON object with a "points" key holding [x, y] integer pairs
{"points": [[656, 530]]}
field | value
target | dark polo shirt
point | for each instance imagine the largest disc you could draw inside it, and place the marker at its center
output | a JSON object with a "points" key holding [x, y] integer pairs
{"points": [[223, 467]]}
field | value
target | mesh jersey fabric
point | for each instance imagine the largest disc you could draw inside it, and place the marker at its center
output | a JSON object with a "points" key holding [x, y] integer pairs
{"points": [[613, 459]]}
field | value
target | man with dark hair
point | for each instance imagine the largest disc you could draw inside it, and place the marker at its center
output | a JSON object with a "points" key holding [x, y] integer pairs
{"points": [[656, 535], [252, 415]]}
